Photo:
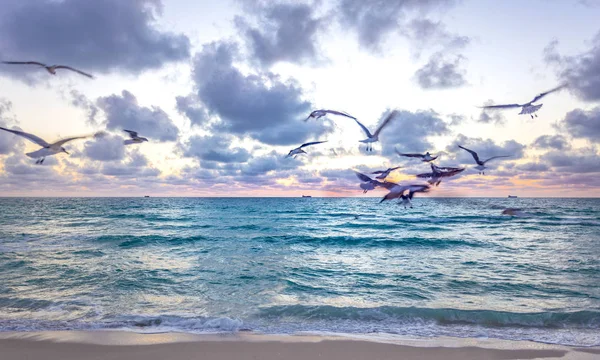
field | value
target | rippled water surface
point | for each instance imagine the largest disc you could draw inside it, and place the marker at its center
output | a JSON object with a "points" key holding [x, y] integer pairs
{"points": [[446, 267]]}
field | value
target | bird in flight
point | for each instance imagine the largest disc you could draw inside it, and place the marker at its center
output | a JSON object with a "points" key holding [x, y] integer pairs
{"points": [[50, 68], [298, 150], [528, 108], [369, 184], [384, 173], [317, 114], [481, 164], [47, 149], [135, 139], [427, 157], [437, 173], [397, 191], [374, 137]]}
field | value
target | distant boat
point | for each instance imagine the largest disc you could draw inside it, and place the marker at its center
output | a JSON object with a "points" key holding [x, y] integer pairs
{"points": [[306, 196], [512, 196], [146, 195]]}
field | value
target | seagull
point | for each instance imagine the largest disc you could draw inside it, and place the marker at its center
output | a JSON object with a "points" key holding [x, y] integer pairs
{"points": [[135, 139], [406, 199], [481, 164], [298, 150], [50, 68], [437, 173], [384, 173], [425, 158], [371, 138], [317, 114], [527, 108], [397, 190], [47, 148], [368, 183]]}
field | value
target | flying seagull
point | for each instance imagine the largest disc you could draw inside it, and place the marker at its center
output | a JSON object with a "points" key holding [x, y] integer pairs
{"points": [[481, 164], [299, 150], [371, 138], [135, 139], [47, 148], [317, 114], [384, 173], [527, 108], [368, 183], [50, 68], [437, 173], [397, 190], [427, 157]]}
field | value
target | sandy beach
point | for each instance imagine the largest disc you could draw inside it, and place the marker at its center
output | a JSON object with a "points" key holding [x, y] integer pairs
{"points": [[125, 345]]}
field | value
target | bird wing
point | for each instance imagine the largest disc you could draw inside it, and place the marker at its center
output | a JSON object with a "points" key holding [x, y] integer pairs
{"points": [[131, 133], [425, 175], [73, 69], [506, 106], [24, 63], [385, 122], [128, 142], [66, 140], [341, 113], [378, 172], [312, 143], [475, 156], [388, 185], [496, 157], [363, 177], [30, 137], [364, 128], [449, 173], [409, 155], [418, 188], [539, 96], [394, 168]]}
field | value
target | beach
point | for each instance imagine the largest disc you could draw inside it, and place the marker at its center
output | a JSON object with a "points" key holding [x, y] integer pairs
{"points": [[100, 345]]}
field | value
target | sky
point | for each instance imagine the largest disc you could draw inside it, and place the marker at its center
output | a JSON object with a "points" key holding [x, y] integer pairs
{"points": [[221, 90]]}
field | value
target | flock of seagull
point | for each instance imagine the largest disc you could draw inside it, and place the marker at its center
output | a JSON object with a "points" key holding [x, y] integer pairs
{"points": [[403, 192]]}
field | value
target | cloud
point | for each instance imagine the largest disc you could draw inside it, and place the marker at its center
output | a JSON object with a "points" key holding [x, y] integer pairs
{"points": [[373, 21], [581, 71], [261, 106], [424, 33], [81, 101], [485, 148], [441, 73], [491, 116], [286, 32], [97, 36], [557, 142], [192, 109], [106, 148], [8, 142], [409, 132], [123, 112], [215, 148], [583, 160], [583, 124]]}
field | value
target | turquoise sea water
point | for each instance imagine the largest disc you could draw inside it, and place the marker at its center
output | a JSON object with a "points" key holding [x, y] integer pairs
{"points": [[453, 267]]}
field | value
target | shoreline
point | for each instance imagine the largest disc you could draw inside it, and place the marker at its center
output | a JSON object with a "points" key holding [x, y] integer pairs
{"points": [[109, 344]]}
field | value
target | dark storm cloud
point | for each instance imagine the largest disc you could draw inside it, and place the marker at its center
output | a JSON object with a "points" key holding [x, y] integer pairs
{"points": [[95, 35], [8, 142], [484, 148], [557, 142], [409, 132], [581, 71], [374, 20], [441, 73], [123, 112], [576, 161], [286, 32], [262, 106], [192, 109], [215, 148], [583, 124], [107, 148]]}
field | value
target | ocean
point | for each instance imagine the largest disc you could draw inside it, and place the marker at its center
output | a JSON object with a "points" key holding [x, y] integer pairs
{"points": [[447, 267]]}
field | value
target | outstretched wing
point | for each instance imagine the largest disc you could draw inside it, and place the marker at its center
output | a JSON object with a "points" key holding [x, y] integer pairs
{"points": [[24, 63], [385, 122], [378, 172], [364, 128], [495, 107], [425, 175], [475, 156], [312, 143], [73, 69], [363, 177], [539, 96], [394, 168], [409, 155], [30, 137], [131, 133], [496, 157], [452, 172], [66, 140], [340, 113]]}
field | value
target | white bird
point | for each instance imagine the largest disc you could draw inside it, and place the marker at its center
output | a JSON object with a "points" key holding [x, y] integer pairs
{"points": [[371, 138], [50, 68], [317, 114], [481, 164], [47, 148], [385, 173], [368, 183], [298, 150], [527, 108], [427, 157], [397, 190], [135, 139], [437, 173]]}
